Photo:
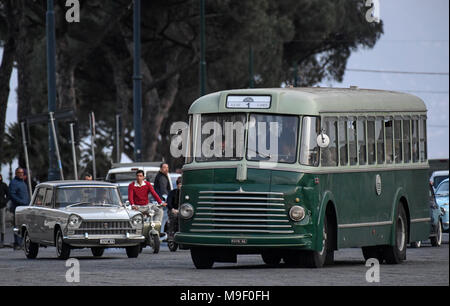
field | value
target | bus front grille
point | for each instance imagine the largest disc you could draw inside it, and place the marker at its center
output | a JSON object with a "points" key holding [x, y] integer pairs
{"points": [[241, 211]]}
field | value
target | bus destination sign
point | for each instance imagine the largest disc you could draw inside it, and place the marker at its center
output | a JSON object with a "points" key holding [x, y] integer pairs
{"points": [[257, 102]]}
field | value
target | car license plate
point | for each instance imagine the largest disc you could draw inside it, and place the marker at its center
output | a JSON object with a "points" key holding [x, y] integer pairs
{"points": [[239, 241], [107, 241]]}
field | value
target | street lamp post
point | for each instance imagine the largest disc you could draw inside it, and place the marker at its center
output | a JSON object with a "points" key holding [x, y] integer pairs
{"points": [[137, 82], [202, 49]]}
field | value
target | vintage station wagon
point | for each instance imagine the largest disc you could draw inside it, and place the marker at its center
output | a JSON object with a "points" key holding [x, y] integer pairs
{"points": [[78, 214]]}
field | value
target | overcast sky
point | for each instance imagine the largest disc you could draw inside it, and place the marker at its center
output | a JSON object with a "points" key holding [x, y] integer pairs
{"points": [[416, 39]]}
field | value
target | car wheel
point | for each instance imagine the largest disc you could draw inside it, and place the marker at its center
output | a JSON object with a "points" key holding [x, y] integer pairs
{"points": [[97, 252], [436, 241], [395, 254], [30, 248], [133, 251], [201, 258], [416, 244], [62, 249]]}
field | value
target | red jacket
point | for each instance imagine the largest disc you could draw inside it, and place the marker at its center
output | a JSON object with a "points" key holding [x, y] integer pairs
{"points": [[138, 195]]}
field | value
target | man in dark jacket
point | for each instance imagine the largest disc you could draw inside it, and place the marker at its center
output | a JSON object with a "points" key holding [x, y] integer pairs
{"points": [[4, 197], [162, 183], [18, 193], [173, 206]]}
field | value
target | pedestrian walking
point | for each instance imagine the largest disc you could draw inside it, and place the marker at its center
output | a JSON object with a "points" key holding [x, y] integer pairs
{"points": [[18, 193], [4, 197], [162, 183]]}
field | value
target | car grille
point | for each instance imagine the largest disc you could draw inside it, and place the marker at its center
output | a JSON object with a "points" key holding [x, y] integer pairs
{"points": [[241, 212], [105, 228]]}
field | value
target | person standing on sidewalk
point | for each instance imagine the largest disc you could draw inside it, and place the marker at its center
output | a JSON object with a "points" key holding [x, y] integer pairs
{"points": [[162, 183], [4, 197], [18, 193]]}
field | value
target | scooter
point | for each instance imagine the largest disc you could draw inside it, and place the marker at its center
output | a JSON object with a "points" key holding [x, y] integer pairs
{"points": [[152, 227]]}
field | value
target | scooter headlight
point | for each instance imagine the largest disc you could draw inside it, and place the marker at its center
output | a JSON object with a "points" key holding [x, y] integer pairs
{"points": [[186, 211]]}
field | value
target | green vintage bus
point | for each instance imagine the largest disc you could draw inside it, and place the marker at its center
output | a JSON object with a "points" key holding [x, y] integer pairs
{"points": [[349, 170]]}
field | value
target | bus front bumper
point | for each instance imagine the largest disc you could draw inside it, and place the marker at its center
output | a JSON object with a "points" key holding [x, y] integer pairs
{"points": [[188, 240]]}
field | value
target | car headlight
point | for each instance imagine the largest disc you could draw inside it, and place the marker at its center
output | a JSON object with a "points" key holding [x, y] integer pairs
{"points": [[186, 211], [137, 220], [297, 213], [74, 221]]}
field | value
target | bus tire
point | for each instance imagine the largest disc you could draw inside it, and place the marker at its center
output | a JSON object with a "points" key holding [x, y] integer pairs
{"points": [[376, 252], [271, 258], [316, 259], [201, 258], [395, 254]]}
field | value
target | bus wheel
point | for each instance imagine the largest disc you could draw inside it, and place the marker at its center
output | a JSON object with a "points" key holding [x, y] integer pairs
{"points": [[201, 258], [376, 252], [271, 258], [395, 254], [317, 259]]}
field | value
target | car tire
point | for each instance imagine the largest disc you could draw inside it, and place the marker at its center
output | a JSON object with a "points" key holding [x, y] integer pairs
{"points": [[395, 254], [97, 252], [436, 241], [201, 258], [133, 251], [30, 248], [62, 249]]}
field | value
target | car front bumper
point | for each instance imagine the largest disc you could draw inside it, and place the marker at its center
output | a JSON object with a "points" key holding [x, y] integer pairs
{"points": [[120, 241]]}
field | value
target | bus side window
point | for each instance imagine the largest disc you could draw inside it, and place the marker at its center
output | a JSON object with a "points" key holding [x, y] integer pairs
{"points": [[371, 140], [389, 141], [362, 143], [415, 140], [407, 140], [398, 141], [379, 134], [353, 149], [329, 154], [423, 139], [309, 150], [343, 147]]}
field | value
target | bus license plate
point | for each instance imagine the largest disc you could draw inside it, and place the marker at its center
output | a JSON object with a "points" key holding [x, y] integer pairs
{"points": [[238, 241], [107, 241]]}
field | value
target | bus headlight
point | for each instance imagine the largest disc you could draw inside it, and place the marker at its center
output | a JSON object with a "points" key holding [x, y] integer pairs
{"points": [[297, 213], [186, 211]]}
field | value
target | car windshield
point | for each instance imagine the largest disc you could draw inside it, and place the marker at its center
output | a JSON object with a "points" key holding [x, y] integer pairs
{"points": [[120, 177], [124, 194], [442, 189], [438, 179], [87, 196]]}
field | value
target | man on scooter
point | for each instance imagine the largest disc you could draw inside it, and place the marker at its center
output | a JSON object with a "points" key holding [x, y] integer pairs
{"points": [[138, 193]]}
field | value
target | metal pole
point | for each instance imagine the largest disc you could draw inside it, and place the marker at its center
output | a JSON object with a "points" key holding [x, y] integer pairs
{"points": [[27, 162], [51, 85], [118, 138], [92, 124], [58, 156], [137, 82], [74, 154], [295, 74], [202, 49], [250, 68]]}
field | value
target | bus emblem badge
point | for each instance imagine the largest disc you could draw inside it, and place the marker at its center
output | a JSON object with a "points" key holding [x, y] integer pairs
{"points": [[378, 184]]}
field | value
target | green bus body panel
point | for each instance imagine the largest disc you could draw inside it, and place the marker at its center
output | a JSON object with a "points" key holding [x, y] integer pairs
{"points": [[353, 201]]}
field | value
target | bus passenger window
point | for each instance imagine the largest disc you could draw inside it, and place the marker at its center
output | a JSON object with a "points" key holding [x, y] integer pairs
{"points": [[389, 141], [415, 140], [309, 150], [398, 141], [351, 132], [329, 154], [361, 130], [423, 139], [371, 141], [407, 140], [343, 149], [379, 134]]}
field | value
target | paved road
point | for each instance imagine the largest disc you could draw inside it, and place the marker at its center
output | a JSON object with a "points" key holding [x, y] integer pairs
{"points": [[425, 266]]}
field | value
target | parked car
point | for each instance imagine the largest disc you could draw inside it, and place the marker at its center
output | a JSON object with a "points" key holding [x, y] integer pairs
{"points": [[442, 201], [78, 214], [436, 214], [437, 177]]}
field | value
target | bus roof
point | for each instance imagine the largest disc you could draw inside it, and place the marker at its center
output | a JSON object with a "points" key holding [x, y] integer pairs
{"points": [[315, 101]]}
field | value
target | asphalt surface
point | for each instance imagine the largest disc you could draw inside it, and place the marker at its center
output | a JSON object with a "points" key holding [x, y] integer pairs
{"points": [[424, 266]]}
